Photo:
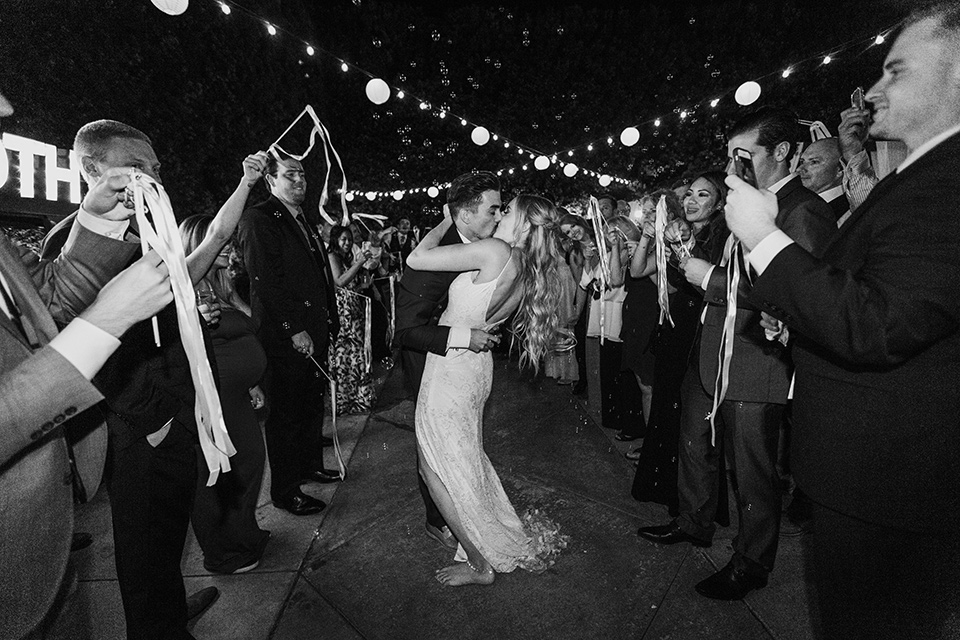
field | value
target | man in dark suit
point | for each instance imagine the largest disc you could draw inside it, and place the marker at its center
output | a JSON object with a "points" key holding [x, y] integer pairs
{"points": [[876, 322], [402, 242], [473, 200], [149, 406], [294, 303], [821, 172], [45, 381], [748, 419]]}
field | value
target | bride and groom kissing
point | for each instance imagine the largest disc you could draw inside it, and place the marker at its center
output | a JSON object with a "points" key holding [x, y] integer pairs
{"points": [[484, 264]]}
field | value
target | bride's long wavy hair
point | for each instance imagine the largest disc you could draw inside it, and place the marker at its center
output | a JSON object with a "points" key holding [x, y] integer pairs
{"points": [[537, 322]]}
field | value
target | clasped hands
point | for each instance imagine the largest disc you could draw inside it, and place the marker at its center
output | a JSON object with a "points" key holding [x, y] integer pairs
{"points": [[482, 340]]}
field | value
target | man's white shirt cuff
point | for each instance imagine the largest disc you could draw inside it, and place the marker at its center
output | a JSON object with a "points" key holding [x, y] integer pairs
{"points": [[767, 249], [458, 338], [115, 229], [706, 278], [85, 346]]}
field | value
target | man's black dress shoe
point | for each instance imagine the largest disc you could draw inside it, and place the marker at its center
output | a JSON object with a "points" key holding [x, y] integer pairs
{"points": [[670, 534], [201, 601], [322, 476], [730, 583], [300, 504]]}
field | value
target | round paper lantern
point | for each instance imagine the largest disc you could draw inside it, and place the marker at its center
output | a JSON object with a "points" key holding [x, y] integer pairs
{"points": [[480, 136], [433, 192], [349, 197], [371, 196], [630, 136], [541, 163], [398, 195], [604, 180], [747, 93], [378, 91], [570, 169], [171, 7]]}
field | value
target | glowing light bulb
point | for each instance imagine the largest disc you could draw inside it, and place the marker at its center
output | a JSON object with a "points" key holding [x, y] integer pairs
{"points": [[226, 8], [786, 72], [463, 122], [400, 94], [656, 122], [715, 102], [827, 60], [344, 67], [879, 40], [310, 50], [272, 30], [589, 147]]}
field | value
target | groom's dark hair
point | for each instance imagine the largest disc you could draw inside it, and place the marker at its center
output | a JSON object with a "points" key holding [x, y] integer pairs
{"points": [[466, 191]]}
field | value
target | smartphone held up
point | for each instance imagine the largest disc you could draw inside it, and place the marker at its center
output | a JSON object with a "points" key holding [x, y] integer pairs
{"points": [[743, 166]]}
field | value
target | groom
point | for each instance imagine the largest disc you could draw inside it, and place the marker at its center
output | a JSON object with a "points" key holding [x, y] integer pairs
{"points": [[473, 200]]}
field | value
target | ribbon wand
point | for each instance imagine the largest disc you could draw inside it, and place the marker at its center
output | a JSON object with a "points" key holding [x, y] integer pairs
{"points": [[141, 211], [333, 418]]}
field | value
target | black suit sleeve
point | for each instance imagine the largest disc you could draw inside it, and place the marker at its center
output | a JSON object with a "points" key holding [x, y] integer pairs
{"points": [[432, 338], [811, 224], [901, 300]]}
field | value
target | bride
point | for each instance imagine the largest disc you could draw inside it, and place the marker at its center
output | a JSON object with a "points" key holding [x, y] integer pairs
{"points": [[512, 271]]}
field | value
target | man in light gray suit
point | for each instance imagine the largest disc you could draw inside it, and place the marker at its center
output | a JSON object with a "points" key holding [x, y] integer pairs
{"points": [[45, 380]]}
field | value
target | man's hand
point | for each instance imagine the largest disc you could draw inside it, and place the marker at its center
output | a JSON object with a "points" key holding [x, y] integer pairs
{"points": [[303, 343], [750, 213], [137, 293], [107, 198], [481, 340], [694, 270], [254, 166], [853, 131]]}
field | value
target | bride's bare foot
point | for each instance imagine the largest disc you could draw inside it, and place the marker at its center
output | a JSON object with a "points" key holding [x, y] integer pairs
{"points": [[462, 573]]}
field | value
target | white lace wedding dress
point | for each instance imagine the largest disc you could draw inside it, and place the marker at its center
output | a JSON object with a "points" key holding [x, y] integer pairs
{"points": [[449, 423]]}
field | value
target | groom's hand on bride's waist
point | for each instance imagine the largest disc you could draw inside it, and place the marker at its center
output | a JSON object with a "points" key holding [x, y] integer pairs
{"points": [[481, 340]]}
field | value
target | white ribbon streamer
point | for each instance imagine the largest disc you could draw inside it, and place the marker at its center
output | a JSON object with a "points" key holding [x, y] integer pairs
{"points": [[324, 133], [725, 355], [333, 419], [596, 218], [165, 239], [660, 244]]}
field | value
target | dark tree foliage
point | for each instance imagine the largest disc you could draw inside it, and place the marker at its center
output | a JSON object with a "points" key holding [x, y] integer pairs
{"points": [[210, 88]]}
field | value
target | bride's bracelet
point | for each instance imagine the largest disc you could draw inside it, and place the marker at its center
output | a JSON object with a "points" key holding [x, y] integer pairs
{"points": [[470, 564]]}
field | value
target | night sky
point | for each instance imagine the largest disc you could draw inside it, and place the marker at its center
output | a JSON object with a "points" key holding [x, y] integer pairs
{"points": [[547, 77]]}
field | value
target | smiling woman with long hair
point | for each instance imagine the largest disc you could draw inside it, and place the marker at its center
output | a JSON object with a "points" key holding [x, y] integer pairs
{"points": [[515, 271]]}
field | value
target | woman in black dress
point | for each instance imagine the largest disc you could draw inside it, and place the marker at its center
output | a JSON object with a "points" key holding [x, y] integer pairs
{"points": [[224, 516], [702, 211]]}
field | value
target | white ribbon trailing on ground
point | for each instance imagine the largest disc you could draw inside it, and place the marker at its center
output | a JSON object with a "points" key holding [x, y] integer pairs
{"points": [[328, 148], [333, 419], [162, 235]]}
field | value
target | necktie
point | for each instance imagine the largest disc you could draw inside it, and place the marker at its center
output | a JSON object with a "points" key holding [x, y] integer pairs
{"points": [[311, 241]]}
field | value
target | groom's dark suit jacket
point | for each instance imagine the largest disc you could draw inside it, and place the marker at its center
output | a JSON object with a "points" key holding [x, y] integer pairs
{"points": [[421, 298], [877, 352]]}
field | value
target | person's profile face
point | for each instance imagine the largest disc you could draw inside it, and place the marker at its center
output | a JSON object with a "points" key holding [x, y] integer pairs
{"points": [[909, 99], [290, 183], [481, 224]]}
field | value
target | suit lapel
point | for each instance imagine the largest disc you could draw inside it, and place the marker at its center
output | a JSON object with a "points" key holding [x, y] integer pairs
{"points": [[33, 313]]}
